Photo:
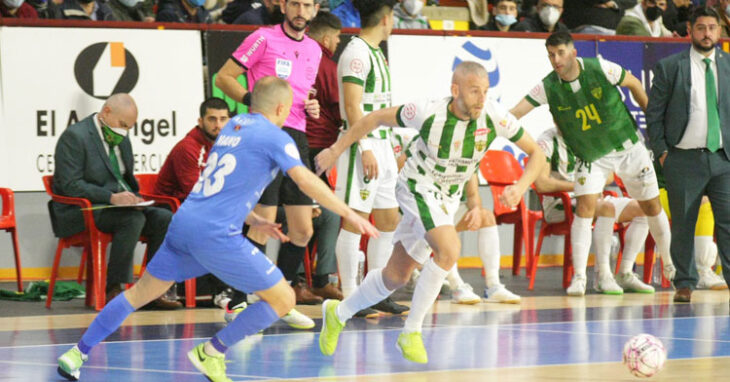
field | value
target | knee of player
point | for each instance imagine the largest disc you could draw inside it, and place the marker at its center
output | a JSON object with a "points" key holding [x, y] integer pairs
{"points": [[651, 207], [488, 219], [448, 255], [301, 235], [605, 209]]}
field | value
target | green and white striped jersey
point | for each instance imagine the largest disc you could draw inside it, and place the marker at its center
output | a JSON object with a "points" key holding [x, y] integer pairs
{"points": [[447, 150], [561, 158], [363, 65]]}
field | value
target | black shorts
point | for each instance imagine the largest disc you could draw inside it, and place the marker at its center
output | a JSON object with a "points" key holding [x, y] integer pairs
{"points": [[282, 190]]}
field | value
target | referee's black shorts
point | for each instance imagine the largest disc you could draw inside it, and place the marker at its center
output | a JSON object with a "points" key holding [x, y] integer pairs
{"points": [[282, 190]]}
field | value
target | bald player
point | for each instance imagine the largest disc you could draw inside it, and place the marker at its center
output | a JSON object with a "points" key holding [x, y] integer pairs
{"points": [[454, 133], [205, 235]]}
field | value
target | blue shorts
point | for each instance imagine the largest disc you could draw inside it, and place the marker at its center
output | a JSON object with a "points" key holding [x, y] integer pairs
{"points": [[238, 264]]}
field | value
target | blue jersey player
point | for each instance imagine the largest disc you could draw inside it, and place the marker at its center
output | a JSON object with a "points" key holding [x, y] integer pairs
{"points": [[205, 233]]}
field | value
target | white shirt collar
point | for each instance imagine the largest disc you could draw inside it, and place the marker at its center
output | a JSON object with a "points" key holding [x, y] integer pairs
{"points": [[699, 57]]}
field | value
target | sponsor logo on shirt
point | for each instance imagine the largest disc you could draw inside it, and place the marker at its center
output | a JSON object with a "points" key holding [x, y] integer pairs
{"points": [[283, 68], [356, 65], [482, 131], [409, 111], [253, 48], [564, 108]]}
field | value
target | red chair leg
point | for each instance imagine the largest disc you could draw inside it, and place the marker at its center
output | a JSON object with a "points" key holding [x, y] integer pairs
{"points": [[306, 264], [190, 293], [16, 249], [54, 273], [567, 262], [82, 265], [648, 259], [535, 261], [98, 265], [517, 249]]}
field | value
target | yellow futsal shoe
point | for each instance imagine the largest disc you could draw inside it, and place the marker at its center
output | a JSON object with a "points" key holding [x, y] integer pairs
{"points": [[331, 327], [411, 347], [213, 367], [69, 364]]}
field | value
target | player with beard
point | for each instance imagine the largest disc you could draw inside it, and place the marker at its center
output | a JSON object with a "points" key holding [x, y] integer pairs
{"points": [[284, 51]]}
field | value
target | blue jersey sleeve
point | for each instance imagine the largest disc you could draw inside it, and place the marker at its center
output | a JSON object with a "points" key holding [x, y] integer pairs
{"points": [[284, 152]]}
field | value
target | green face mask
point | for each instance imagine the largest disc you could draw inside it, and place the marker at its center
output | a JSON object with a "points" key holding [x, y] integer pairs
{"points": [[113, 135]]}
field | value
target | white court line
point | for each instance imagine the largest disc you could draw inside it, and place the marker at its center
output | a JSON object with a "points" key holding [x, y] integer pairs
{"points": [[129, 369]]}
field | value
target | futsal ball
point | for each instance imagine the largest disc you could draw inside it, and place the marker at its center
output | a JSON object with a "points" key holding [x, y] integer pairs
{"points": [[644, 355]]}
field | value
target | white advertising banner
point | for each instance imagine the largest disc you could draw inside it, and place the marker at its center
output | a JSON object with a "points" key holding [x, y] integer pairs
{"points": [[421, 67], [54, 77]]}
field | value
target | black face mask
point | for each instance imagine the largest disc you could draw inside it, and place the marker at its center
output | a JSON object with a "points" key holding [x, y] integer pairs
{"points": [[84, 1], [653, 13]]}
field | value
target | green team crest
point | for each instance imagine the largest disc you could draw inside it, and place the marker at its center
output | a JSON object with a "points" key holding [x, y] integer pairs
{"points": [[364, 194], [597, 93]]}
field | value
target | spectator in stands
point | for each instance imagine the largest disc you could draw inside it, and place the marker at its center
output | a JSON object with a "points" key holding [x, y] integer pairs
{"points": [[44, 8], [264, 12], [94, 160], [645, 19], [504, 15], [183, 11], [321, 133], [595, 16], [544, 20], [83, 10], [346, 12], [676, 16], [234, 9], [17, 9], [133, 10], [407, 15], [722, 7]]}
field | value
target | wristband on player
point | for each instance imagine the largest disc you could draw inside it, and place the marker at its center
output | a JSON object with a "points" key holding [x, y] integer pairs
{"points": [[246, 99]]}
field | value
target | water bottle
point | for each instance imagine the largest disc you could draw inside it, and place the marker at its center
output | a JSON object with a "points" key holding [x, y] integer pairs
{"points": [[360, 266]]}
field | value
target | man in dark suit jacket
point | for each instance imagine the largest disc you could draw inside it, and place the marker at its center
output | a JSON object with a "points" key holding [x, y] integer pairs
{"points": [[688, 118], [94, 160]]}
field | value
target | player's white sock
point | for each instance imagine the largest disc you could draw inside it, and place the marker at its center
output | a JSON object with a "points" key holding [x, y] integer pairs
{"points": [[634, 240], [427, 289], [370, 292], [488, 241], [454, 277], [348, 244], [659, 228], [379, 250], [704, 252], [580, 240], [602, 233]]}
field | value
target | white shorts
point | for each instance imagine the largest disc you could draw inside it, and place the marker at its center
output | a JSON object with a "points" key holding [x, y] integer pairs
{"points": [[365, 195], [632, 165], [423, 209], [554, 212]]}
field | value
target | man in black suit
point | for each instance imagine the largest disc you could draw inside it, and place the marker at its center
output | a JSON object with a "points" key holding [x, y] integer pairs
{"points": [[688, 118], [94, 161]]}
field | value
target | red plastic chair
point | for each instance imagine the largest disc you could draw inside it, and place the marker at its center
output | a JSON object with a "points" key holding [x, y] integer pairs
{"points": [[7, 223], [500, 169], [648, 247], [94, 244], [146, 190], [551, 229]]}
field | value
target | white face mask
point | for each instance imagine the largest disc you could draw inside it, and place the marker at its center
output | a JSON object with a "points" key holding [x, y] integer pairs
{"points": [[130, 3], [549, 15], [727, 10], [13, 4], [413, 7]]}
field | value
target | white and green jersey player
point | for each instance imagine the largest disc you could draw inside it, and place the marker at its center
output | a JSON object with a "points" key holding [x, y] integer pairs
{"points": [[587, 107], [453, 136], [559, 176]]}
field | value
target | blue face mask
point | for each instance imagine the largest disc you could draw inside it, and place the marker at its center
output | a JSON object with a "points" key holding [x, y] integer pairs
{"points": [[505, 20], [196, 3]]}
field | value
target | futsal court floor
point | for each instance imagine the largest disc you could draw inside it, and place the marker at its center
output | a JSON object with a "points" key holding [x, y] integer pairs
{"points": [[545, 338]]}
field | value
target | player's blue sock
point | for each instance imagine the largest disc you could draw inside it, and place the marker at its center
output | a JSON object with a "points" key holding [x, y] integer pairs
{"points": [[108, 320], [256, 317]]}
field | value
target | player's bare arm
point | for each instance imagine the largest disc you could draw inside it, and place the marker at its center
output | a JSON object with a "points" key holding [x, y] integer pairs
{"points": [[546, 183], [226, 80], [636, 89], [353, 98], [473, 217], [315, 188], [383, 117], [512, 194], [522, 108]]}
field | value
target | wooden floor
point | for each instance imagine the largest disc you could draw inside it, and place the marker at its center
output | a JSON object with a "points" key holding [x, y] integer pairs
{"points": [[543, 339]]}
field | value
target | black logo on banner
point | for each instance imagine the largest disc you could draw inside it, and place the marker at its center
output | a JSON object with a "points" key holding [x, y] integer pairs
{"points": [[106, 68]]}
